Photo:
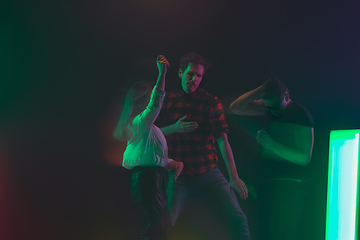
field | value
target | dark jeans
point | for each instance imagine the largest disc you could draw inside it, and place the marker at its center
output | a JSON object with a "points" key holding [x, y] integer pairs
{"points": [[215, 188], [148, 193], [281, 208]]}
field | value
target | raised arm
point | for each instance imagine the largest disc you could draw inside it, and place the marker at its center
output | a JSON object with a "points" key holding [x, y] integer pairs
{"points": [[147, 117], [249, 103], [162, 64]]}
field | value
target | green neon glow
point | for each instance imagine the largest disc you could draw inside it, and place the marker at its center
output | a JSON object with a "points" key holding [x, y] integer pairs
{"points": [[343, 186]]}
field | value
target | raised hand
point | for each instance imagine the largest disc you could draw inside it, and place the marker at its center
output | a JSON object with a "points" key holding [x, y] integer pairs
{"points": [[162, 64], [183, 127]]}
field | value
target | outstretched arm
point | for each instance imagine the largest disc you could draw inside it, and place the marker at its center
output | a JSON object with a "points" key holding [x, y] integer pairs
{"points": [[226, 152], [300, 155], [249, 103]]}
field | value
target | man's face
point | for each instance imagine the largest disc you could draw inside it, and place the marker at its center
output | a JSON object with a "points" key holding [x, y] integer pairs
{"points": [[191, 77], [274, 104]]}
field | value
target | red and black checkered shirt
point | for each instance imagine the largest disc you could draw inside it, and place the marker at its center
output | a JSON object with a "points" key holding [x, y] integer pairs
{"points": [[195, 149]]}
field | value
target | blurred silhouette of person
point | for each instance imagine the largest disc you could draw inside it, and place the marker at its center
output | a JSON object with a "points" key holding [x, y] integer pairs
{"points": [[146, 152], [286, 147]]}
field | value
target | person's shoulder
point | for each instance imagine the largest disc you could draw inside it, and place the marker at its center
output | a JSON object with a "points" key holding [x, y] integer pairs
{"points": [[298, 107], [204, 94], [303, 114]]}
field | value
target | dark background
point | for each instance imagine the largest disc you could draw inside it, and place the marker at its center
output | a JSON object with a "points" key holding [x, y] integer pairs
{"points": [[65, 66]]}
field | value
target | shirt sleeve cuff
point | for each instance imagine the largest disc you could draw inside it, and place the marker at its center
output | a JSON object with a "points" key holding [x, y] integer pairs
{"points": [[158, 91]]}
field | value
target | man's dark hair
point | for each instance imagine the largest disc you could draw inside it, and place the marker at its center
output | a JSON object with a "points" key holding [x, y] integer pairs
{"points": [[274, 87], [195, 59]]}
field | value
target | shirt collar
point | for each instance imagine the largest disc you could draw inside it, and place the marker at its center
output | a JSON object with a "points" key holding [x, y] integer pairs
{"points": [[192, 95]]}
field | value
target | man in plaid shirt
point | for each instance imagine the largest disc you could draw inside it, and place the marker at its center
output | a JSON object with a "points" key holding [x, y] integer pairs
{"points": [[195, 122]]}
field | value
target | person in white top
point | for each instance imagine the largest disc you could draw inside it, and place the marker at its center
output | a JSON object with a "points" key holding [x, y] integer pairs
{"points": [[147, 154]]}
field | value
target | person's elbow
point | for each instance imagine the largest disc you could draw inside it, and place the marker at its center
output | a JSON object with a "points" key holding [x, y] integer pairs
{"points": [[235, 108], [232, 108], [117, 136], [305, 159], [222, 139]]}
